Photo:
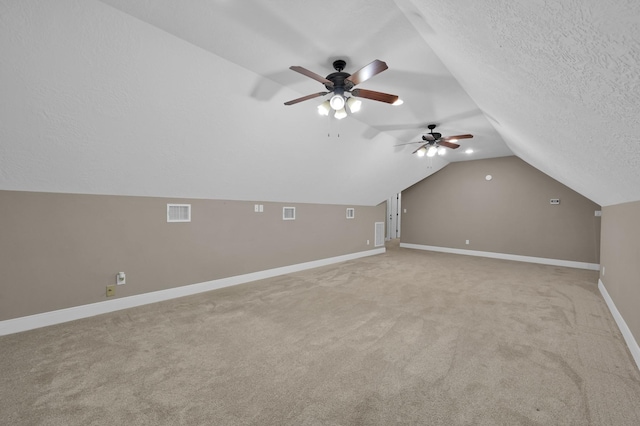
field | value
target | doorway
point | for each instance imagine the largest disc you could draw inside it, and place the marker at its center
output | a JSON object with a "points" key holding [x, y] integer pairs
{"points": [[393, 216]]}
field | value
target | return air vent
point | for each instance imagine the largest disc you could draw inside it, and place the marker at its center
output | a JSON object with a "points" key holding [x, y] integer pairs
{"points": [[379, 234], [178, 212], [288, 213], [351, 213]]}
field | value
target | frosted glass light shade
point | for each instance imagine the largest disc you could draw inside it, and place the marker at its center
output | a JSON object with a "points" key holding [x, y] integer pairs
{"points": [[337, 102], [324, 108], [340, 114], [354, 104]]}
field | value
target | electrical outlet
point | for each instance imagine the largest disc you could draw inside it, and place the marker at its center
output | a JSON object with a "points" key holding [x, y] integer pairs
{"points": [[111, 290], [121, 278], [367, 242], [467, 242]]}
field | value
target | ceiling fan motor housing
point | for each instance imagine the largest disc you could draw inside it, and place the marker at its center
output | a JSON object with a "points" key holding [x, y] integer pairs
{"points": [[431, 137], [341, 82], [339, 78]]}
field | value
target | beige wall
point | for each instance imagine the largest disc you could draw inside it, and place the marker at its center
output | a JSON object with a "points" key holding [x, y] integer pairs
{"points": [[509, 214], [62, 250], [620, 260]]}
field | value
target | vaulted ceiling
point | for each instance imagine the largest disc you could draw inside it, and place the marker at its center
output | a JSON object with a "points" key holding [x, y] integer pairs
{"points": [[186, 99]]}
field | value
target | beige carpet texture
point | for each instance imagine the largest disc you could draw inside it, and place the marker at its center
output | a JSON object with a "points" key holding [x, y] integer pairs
{"points": [[407, 337]]}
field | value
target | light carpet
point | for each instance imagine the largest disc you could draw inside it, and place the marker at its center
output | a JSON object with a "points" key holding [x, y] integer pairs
{"points": [[404, 338]]}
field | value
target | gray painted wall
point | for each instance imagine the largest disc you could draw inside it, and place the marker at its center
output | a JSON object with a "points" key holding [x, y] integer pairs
{"points": [[62, 250], [620, 258], [508, 214]]}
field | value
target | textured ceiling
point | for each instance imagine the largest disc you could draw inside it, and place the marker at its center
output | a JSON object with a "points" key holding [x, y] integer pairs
{"points": [[164, 98], [560, 81]]}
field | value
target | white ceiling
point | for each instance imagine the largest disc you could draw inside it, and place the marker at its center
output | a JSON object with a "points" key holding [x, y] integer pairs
{"points": [[185, 99]]}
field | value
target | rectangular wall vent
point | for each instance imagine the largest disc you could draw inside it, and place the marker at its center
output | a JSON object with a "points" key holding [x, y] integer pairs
{"points": [[288, 213], [351, 213], [379, 234], [178, 212]]}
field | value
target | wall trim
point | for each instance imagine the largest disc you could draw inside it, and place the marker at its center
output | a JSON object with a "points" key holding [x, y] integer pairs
{"points": [[632, 344], [44, 319], [505, 256]]}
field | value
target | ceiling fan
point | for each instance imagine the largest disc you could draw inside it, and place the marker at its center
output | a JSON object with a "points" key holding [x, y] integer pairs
{"points": [[341, 83], [433, 143]]}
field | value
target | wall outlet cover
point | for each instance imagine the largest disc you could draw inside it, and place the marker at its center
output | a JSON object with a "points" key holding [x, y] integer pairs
{"points": [[111, 290]]}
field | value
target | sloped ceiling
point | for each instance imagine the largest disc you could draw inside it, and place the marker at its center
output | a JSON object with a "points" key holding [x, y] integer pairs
{"points": [[175, 99], [560, 80]]}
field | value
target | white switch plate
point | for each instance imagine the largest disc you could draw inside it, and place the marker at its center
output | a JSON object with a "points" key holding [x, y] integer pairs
{"points": [[467, 242], [598, 212]]}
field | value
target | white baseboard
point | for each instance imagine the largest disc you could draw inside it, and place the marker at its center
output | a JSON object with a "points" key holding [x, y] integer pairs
{"points": [[30, 322], [622, 325], [505, 256]]}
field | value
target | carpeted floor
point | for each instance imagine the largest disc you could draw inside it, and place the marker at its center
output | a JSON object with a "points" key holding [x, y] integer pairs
{"points": [[407, 337]]}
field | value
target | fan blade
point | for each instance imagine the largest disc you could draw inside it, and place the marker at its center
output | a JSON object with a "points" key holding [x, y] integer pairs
{"points": [[407, 143], [449, 144], [306, 98], [457, 137], [368, 71], [376, 96], [312, 75], [423, 146]]}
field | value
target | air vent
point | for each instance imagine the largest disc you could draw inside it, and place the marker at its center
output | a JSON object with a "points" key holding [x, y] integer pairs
{"points": [[178, 212], [288, 213], [379, 234], [351, 213]]}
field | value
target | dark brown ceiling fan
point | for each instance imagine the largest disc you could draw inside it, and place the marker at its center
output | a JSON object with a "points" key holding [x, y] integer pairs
{"points": [[341, 83], [432, 141]]}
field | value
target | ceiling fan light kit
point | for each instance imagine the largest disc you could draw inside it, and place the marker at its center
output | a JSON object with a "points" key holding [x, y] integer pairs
{"points": [[342, 83]]}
